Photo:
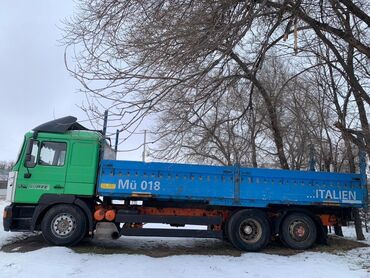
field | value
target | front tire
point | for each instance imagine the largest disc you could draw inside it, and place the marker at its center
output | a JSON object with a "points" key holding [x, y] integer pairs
{"points": [[249, 230], [64, 225], [298, 231]]}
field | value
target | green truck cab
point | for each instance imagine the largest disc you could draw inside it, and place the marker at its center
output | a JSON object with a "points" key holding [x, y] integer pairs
{"points": [[57, 163]]}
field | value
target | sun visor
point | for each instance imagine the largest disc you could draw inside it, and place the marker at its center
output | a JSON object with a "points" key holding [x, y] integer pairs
{"points": [[60, 125]]}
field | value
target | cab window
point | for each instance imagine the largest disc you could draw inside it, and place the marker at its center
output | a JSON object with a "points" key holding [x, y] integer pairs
{"points": [[52, 153]]}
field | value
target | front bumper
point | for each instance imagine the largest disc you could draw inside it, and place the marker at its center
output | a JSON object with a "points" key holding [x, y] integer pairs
{"points": [[7, 217], [18, 218]]}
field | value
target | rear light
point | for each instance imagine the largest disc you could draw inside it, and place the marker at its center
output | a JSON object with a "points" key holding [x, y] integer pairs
{"points": [[110, 215], [99, 214]]}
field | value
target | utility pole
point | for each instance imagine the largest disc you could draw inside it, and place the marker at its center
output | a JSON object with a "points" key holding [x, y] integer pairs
{"points": [[105, 122], [116, 143], [144, 146]]}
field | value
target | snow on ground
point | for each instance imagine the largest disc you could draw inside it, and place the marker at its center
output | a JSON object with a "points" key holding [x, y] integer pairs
{"points": [[64, 262], [350, 233]]}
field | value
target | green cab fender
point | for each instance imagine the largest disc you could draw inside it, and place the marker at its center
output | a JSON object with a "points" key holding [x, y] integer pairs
{"points": [[48, 200]]}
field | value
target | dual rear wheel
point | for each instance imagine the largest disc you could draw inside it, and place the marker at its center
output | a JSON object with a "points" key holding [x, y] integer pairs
{"points": [[250, 230], [298, 231]]}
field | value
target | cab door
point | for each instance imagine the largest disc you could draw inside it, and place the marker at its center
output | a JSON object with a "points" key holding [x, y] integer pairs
{"points": [[43, 170]]}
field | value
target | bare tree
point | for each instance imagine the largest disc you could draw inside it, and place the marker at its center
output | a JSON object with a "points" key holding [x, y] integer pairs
{"points": [[6, 165], [140, 56], [224, 131]]}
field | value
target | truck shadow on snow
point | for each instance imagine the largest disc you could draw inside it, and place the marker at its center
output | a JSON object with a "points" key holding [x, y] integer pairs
{"points": [[160, 247]]}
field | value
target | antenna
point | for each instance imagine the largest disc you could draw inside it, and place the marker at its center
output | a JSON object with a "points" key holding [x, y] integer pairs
{"points": [[144, 146]]}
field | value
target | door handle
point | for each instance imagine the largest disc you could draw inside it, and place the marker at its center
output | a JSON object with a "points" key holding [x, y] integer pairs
{"points": [[58, 186]]}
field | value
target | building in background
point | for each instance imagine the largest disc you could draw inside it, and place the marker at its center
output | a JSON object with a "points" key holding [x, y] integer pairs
{"points": [[3, 181]]}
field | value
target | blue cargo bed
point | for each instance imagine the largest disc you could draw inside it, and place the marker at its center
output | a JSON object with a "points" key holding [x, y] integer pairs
{"points": [[229, 185]]}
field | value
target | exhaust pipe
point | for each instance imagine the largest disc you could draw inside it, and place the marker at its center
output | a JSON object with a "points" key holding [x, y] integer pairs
{"points": [[115, 235]]}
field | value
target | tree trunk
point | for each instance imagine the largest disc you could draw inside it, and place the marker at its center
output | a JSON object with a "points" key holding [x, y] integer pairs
{"points": [[351, 160], [274, 121], [253, 142], [254, 152], [358, 225]]}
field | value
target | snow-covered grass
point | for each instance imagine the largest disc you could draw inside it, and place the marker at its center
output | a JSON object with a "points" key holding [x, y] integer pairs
{"points": [[350, 233], [64, 262]]}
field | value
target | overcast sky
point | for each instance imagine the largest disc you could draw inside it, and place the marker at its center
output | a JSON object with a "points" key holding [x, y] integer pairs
{"points": [[35, 86]]}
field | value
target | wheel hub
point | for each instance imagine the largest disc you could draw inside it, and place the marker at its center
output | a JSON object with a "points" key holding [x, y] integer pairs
{"points": [[299, 230], [250, 231], [63, 225]]}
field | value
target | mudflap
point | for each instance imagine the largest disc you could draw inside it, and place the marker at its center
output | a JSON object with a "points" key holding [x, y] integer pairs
{"points": [[322, 234]]}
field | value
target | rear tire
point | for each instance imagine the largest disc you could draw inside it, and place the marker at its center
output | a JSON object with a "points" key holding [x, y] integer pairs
{"points": [[298, 231], [64, 225], [225, 232], [249, 230]]}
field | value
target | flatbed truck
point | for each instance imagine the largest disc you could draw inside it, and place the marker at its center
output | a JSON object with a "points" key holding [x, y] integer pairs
{"points": [[67, 184]]}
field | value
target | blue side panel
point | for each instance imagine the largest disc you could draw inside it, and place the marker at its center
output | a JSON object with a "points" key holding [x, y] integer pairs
{"points": [[228, 186]]}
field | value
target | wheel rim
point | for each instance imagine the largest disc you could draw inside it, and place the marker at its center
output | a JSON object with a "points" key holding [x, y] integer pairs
{"points": [[299, 230], [63, 225], [250, 231]]}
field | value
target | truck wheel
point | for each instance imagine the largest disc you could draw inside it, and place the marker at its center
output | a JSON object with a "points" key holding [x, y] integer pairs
{"points": [[298, 231], [64, 225], [249, 230]]}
